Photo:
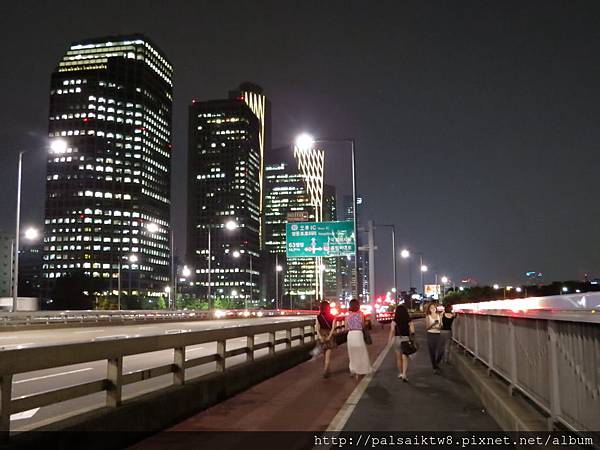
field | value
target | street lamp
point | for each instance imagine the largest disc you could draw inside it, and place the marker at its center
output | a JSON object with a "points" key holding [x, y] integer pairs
{"points": [[278, 268], [31, 234], [168, 292], [132, 260], [393, 227], [305, 141], [496, 287], [423, 269], [56, 146], [237, 254]]}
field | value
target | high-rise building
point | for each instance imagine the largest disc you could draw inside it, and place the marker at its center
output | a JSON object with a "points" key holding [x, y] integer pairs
{"points": [[30, 269], [6, 257], [110, 101], [224, 176], [346, 265], [294, 191]]}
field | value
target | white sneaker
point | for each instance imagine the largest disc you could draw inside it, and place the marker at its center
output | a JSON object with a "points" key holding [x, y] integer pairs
{"points": [[400, 375]]}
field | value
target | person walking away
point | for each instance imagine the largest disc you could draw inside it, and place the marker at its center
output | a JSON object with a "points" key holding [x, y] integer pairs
{"points": [[401, 329], [446, 332], [357, 349], [325, 328], [433, 324]]}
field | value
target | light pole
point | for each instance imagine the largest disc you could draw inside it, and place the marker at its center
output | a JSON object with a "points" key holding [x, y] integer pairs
{"points": [[424, 269], [393, 227], [131, 259], [278, 269], [57, 146], [405, 254], [445, 281], [306, 141], [237, 254]]}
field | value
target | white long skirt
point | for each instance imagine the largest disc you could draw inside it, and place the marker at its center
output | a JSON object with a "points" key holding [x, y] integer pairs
{"points": [[358, 354]]}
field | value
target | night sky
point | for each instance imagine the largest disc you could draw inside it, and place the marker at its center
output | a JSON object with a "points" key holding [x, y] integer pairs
{"points": [[476, 123]]}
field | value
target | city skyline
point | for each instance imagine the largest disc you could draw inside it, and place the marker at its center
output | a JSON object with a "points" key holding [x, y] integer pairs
{"points": [[441, 166]]}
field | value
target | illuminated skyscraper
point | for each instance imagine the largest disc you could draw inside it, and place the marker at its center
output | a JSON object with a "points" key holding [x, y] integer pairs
{"points": [[110, 101], [224, 166]]}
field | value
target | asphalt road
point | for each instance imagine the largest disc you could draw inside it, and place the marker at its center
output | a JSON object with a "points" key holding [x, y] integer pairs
{"points": [[51, 379]]}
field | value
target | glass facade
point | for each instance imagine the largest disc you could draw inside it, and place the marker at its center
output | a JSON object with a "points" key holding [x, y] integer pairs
{"points": [[110, 102]]}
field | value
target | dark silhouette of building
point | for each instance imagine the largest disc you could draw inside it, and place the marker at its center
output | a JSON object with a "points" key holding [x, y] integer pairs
{"points": [[224, 184], [110, 104]]}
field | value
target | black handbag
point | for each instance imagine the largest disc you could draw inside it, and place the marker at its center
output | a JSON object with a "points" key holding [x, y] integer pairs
{"points": [[340, 338], [409, 347], [367, 337]]}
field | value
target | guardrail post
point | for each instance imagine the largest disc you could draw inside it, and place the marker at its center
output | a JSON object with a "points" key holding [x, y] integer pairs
{"points": [[490, 347], [554, 381], [271, 342], [115, 387], [250, 345], [5, 398], [179, 361], [475, 338], [288, 338], [221, 356], [512, 349]]}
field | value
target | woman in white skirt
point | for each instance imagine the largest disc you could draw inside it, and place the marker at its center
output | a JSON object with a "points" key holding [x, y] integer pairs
{"points": [[357, 349]]}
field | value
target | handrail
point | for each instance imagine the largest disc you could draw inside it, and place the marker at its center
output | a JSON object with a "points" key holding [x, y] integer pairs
{"points": [[546, 356], [18, 361]]}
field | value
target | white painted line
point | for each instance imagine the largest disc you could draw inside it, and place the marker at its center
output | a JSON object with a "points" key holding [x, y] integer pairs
{"points": [[53, 375], [24, 414], [340, 419]]}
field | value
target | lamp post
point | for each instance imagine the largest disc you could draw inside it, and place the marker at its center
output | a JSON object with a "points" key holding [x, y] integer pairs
{"points": [[278, 269], [131, 259], [306, 141], [237, 254], [57, 146], [393, 227]]}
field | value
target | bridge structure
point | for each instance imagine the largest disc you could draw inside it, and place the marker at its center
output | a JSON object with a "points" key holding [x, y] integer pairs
{"points": [[512, 370]]}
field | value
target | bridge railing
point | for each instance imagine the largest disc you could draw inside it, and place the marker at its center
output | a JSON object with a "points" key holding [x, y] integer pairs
{"points": [[550, 357], [8, 319], [113, 352]]}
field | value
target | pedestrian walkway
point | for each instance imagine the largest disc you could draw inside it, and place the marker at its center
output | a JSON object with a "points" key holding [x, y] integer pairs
{"points": [[301, 400], [427, 402]]}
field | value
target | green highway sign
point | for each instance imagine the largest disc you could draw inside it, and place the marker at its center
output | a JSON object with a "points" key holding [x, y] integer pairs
{"points": [[320, 239]]}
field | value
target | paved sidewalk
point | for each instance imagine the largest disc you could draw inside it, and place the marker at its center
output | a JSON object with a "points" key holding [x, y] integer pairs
{"points": [[299, 399], [427, 402]]}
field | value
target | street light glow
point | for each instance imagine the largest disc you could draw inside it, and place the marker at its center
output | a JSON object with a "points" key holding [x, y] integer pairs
{"points": [[405, 254], [518, 289], [167, 289], [231, 225], [565, 289], [31, 233], [496, 286], [236, 254], [133, 258], [445, 280], [278, 268], [234, 293], [186, 272], [305, 141], [424, 268], [58, 146], [152, 227]]}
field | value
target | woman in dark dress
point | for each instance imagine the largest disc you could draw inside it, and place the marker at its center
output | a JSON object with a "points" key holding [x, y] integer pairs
{"points": [[325, 328], [401, 330]]}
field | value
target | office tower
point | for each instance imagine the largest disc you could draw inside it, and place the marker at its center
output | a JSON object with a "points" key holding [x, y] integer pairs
{"points": [[331, 266], [6, 256], [224, 164], [30, 269], [346, 265], [294, 192], [252, 94], [110, 102]]}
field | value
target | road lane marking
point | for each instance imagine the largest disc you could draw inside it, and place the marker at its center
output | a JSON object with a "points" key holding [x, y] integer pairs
{"points": [[24, 414], [340, 419], [53, 375]]}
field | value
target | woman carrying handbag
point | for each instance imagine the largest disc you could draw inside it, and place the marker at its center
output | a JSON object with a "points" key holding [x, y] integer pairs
{"points": [[402, 332], [325, 328]]}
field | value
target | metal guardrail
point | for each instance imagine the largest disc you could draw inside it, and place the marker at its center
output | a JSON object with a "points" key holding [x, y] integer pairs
{"points": [[125, 316], [552, 358], [39, 358]]}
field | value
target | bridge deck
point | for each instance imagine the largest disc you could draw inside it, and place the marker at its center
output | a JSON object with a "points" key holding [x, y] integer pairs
{"points": [[300, 399]]}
